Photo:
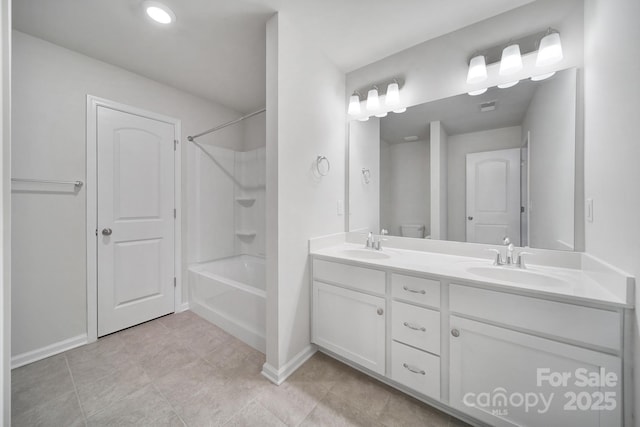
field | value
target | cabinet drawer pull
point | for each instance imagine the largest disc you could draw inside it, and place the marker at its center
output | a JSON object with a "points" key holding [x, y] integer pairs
{"points": [[414, 370], [415, 328], [415, 291]]}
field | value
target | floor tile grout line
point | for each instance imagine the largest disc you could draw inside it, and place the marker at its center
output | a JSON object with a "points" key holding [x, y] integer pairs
{"points": [[169, 403], [75, 390]]}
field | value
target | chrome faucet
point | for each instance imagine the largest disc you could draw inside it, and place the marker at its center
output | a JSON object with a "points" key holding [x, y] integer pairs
{"points": [[509, 253], [377, 241], [369, 243], [508, 259]]}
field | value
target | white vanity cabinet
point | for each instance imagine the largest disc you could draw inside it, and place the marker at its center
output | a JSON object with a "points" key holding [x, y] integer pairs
{"points": [[479, 351], [349, 322], [506, 376], [493, 376]]}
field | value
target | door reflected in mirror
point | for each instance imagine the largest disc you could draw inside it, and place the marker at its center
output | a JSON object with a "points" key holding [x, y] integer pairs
{"points": [[472, 168]]}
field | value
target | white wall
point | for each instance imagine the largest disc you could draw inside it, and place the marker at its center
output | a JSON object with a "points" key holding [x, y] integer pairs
{"points": [[364, 153], [551, 123], [439, 166], [459, 146], [5, 213], [612, 146], [438, 68], [50, 85], [407, 192], [306, 119]]}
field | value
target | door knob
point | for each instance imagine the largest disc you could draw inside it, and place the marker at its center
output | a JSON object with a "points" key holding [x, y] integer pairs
{"points": [[470, 218], [106, 232]]}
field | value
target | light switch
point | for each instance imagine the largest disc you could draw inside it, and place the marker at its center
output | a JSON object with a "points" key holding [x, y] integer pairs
{"points": [[340, 207], [589, 210]]}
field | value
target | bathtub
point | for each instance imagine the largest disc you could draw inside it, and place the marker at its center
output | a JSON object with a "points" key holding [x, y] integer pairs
{"points": [[230, 293]]}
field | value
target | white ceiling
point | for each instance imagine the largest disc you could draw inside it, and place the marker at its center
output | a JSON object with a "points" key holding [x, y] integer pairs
{"points": [[216, 48]]}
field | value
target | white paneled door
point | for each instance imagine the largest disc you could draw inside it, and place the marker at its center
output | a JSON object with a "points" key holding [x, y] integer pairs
{"points": [[493, 196], [135, 234]]}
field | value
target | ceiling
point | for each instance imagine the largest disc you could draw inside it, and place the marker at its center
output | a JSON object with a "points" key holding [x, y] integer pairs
{"points": [[216, 48], [461, 114]]}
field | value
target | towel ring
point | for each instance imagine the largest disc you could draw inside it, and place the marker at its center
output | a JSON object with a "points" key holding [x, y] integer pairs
{"points": [[366, 175], [320, 160]]}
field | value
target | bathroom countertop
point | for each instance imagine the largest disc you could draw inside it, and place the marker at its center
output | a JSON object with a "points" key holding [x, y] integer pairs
{"points": [[578, 287]]}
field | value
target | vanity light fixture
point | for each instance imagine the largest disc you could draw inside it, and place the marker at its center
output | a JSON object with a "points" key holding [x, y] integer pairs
{"points": [[477, 92], [542, 76], [373, 102], [354, 104], [392, 98], [384, 114], [400, 110], [511, 61], [509, 84], [159, 12], [364, 119], [477, 70], [550, 50]]}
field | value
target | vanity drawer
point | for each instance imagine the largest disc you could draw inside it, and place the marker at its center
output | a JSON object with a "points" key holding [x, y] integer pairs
{"points": [[574, 322], [416, 289], [416, 326], [365, 279], [415, 369]]}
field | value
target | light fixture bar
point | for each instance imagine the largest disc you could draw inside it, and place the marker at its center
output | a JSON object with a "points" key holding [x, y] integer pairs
{"points": [[528, 44]]}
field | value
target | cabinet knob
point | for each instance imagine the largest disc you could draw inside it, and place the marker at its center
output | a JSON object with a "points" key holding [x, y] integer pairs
{"points": [[380, 311], [455, 333]]}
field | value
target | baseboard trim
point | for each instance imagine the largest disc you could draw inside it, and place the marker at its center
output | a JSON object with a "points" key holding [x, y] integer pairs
{"points": [[50, 350], [278, 376], [182, 307]]}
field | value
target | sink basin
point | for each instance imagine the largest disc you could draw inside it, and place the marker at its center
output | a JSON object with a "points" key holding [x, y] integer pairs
{"points": [[524, 277], [365, 254]]}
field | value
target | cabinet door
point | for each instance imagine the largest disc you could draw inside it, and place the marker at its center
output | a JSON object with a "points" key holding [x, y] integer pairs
{"points": [[508, 378], [350, 324]]}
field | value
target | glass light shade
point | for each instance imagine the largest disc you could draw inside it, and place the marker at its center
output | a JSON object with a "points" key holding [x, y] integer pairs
{"points": [[159, 12], [509, 84], [477, 70], [550, 50], [373, 102], [393, 95], [400, 110], [382, 114], [363, 119], [542, 76], [511, 61], [354, 105], [477, 92]]}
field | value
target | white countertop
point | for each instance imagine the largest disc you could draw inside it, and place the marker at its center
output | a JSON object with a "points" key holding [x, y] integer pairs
{"points": [[570, 285]]}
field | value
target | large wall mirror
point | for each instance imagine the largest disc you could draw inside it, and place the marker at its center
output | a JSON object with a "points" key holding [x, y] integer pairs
{"points": [[473, 168]]}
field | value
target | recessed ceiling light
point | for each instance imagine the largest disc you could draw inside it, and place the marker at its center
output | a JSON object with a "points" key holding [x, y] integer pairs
{"points": [[159, 12]]}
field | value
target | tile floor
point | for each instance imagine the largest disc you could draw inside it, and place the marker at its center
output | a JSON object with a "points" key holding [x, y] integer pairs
{"points": [[181, 370]]}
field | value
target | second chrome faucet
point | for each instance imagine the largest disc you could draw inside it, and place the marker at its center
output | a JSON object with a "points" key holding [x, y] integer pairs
{"points": [[508, 259]]}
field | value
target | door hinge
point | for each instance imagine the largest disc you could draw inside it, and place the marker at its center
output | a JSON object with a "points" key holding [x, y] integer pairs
{"points": [[175, 144], [175, 282], [175, 213], [96, 231]]}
